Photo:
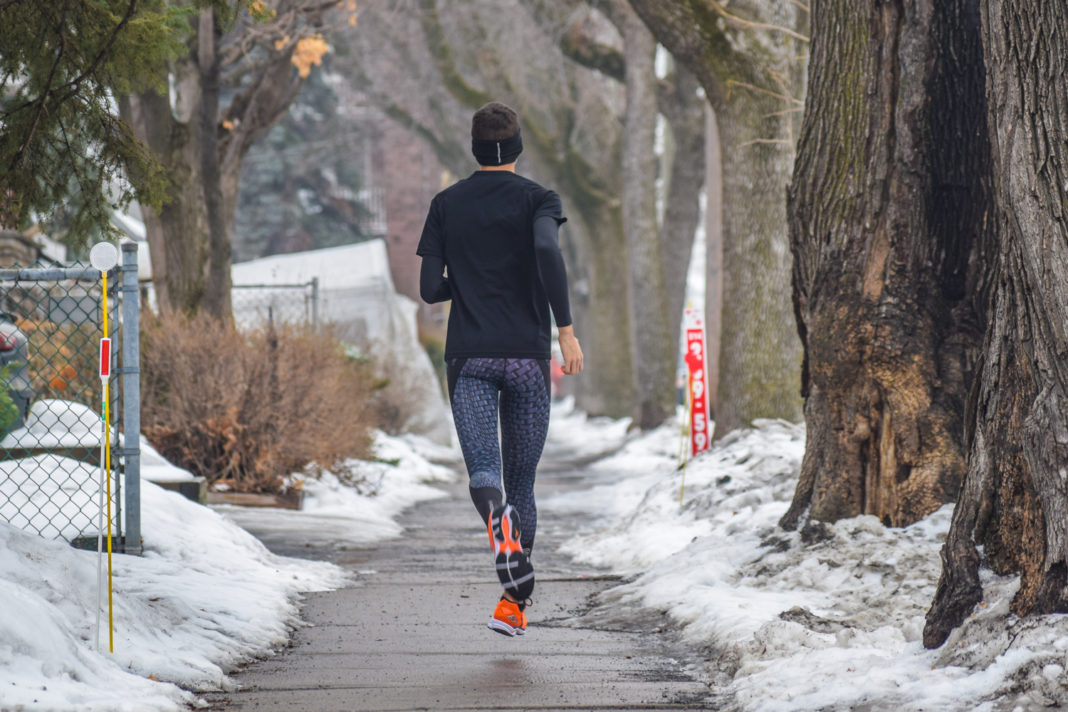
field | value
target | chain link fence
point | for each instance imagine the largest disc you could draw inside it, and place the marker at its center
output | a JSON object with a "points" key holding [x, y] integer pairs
{"points": [[51, 423], [255, 305]]}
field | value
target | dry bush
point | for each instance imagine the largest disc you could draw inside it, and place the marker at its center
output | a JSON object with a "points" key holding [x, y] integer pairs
{"points": [[397, 402], [248, 409]]}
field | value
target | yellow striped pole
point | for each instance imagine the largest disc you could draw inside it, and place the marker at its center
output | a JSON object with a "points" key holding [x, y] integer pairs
{"points": [[103, 256], [105, 369]]}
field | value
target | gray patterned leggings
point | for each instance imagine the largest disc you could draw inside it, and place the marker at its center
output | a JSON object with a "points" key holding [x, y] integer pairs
{"points": [[516, 389]]}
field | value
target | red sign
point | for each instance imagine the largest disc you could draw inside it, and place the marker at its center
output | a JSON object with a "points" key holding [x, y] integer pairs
{"points": [[700, 428], [105, 359]]}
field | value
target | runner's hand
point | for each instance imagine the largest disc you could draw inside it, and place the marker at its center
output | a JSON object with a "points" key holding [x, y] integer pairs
{"points": [[571, 351]]}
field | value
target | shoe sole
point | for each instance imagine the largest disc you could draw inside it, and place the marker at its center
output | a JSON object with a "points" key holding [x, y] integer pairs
{"points": [[513, 566], [503, 628]]}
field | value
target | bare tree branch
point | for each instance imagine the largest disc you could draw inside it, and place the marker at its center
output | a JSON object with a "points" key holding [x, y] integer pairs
{"points": [[742, 22]]}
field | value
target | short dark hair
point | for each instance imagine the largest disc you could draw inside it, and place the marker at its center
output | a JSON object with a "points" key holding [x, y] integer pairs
{"points": [[494, 122]]}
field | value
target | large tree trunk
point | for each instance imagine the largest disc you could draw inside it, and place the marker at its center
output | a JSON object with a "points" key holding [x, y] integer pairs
{"points": [[880, 281], [177, 234], [753, 96], [601, 305], [649, 320], [219, 194], [760, 355], [1015, 498], [713, 257]]}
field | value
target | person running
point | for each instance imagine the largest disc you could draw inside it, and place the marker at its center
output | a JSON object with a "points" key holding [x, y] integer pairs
{"points": [[490, 245]]}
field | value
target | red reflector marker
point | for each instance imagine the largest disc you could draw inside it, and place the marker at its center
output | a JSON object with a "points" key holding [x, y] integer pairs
{"points": [[105, 358]]}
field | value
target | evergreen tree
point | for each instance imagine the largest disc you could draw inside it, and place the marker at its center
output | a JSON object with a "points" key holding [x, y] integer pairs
{"points": [[61, 141]]}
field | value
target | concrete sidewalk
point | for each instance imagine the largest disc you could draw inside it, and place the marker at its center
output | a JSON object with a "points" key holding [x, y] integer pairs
{"points": [[411, 633]]}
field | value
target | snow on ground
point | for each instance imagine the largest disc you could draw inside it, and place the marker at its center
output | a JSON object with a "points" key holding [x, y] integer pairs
{"points": [[828, 618], [575, 436], [360, 509], [204, 596]]}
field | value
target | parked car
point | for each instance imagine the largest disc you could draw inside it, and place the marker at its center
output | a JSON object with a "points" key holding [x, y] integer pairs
{"points": [[15, 358]]}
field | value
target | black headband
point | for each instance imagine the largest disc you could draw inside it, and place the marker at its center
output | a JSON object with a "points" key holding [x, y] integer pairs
{"points": [[497, 153]]}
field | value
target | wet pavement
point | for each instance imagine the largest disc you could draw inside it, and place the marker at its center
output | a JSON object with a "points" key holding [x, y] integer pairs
{"points": [[410, 633]]}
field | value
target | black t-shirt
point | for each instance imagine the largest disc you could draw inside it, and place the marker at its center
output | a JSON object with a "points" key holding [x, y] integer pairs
{"points": [[482, 227]]}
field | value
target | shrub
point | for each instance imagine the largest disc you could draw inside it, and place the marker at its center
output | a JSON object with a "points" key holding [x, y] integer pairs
{"points": [[63, 360], [9, 412], [248, 409]]}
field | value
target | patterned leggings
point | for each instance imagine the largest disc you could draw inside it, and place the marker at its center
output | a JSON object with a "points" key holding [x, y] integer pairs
{"points": [[517, 388]]}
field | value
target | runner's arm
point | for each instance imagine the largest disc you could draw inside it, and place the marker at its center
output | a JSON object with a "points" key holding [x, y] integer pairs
{"points": [[433, 284], [553, 276], [551, 268]]}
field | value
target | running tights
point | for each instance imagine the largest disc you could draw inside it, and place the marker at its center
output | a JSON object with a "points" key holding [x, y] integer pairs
{"points": [[516, 389]]}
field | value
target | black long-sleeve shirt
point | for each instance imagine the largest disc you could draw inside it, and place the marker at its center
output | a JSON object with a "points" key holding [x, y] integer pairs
{"points": [[496, 232], [434, 285]]}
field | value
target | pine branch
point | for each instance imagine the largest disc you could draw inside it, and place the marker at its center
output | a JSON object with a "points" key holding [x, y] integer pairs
{"points": [[91, 69], [44, 94]]}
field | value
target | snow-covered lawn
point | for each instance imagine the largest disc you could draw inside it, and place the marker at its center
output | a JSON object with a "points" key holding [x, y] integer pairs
{"points": [[205, 595], [827, 618]]}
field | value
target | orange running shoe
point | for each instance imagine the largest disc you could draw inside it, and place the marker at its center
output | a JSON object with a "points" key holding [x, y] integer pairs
{"points": [[514, 569], [509, 618]]}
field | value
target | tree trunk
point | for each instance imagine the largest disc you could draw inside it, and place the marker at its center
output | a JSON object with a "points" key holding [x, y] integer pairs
{"points": [[882, 282], [753, 97], [760, 355], [177, 234], [1015, 497], [216, 299], [682, 164], [713, 257], [599, 298], [650, 326], [684, 111]]}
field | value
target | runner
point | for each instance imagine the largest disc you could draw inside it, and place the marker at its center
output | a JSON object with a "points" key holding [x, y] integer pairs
{"points": [[490, 245]]}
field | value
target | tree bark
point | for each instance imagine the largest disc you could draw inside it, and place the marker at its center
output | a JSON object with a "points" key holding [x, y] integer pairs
{"points": [[1013, 502], [177, 233], [760, 355], [713, 257], [650, 323], [753, 96], [881, 284], [684, 112]]}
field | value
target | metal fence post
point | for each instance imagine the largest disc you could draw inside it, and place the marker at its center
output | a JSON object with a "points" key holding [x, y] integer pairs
{"points": [[131, 395], [315, 302]]}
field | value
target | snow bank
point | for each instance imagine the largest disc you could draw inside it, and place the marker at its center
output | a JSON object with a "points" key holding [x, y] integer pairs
{"points": [[205, 595], [359, 507], [830, 617]]}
